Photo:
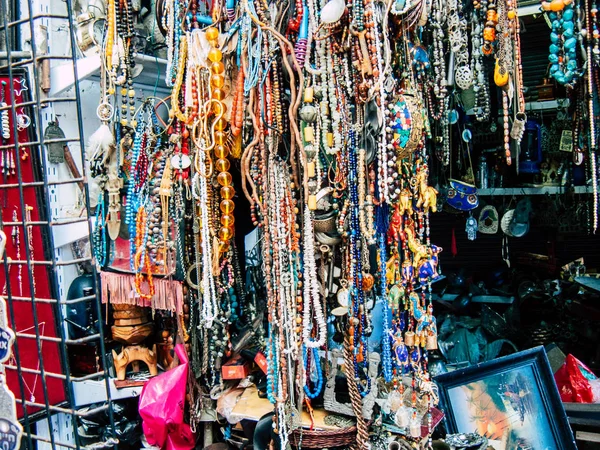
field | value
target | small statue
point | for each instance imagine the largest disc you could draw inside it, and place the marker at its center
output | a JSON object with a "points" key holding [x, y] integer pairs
{"points": [[427, 194]]}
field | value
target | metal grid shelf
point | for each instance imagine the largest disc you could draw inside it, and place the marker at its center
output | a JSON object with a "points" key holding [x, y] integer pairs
{"points": [[35, 259]]}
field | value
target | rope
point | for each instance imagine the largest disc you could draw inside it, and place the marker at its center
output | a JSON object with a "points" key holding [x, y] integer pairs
{"points": [[362, 430]]}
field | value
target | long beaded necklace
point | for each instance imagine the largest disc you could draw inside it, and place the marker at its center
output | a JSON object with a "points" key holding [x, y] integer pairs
{"points": [[592, 130]]}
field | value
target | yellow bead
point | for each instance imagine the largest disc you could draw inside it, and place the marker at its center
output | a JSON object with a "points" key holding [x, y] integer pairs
{"points": [[134, 123], [217, 81], [218, 94], [227, 206], [227, 220], [227, 193], [224, 178], [219, 108], [223, 246], [111, 91], [217, 67], [212, 34], [222, 165], [131, 93], [124, 122], [123, 91], [225, 233], [220, 138], [221, 151], [215, 55], [511, 14], [220, 124]]}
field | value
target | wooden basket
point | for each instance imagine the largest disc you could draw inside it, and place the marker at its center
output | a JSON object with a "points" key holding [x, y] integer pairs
{"points": [[323, 438]]}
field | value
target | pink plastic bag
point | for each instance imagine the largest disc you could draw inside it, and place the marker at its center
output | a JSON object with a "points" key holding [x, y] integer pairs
{"points": [[161, 407]]}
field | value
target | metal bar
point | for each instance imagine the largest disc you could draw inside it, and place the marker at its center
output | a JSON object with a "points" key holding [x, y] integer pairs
{"points": [[53, 300], [26, 243], [40, 184], [15, 55], [82, 340], [91, 376], [87, 202]]}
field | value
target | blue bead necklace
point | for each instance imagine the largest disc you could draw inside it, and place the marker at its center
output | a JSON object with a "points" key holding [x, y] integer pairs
{"points": [[315, 363], [358, 320], [563, 47]]}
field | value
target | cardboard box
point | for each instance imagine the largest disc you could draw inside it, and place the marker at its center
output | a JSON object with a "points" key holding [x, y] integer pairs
{"points": [[236, 368]]}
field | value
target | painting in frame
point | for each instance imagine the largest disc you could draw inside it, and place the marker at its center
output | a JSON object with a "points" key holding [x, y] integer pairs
{"points": [[513, 401]]}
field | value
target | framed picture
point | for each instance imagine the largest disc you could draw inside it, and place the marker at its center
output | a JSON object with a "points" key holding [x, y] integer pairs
{"points": [[513, 401]]}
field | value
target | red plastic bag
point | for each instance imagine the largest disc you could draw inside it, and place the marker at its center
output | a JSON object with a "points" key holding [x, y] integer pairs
{"points": [[574, 381], [161, 407]]}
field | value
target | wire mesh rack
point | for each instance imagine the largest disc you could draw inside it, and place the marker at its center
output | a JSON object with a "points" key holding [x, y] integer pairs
{"points": [[37, 258]]}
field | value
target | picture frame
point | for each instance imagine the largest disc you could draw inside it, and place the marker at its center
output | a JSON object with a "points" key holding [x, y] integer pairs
{"points": [[513, 401]]}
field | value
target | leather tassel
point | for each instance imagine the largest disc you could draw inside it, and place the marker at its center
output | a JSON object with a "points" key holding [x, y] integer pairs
{"points": [[119, 288]]}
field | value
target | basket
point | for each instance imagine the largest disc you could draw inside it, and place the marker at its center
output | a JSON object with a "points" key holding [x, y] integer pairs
{"points": [[323, 438]]}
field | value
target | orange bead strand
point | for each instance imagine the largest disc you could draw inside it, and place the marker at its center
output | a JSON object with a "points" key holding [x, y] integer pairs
{"points": [[221, 138]]}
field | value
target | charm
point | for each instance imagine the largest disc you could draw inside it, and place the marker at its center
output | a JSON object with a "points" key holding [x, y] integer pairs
{"points": [[518, 127], [10, 429], [181, 162], [471, 228], [7, 337], [488, 220]]}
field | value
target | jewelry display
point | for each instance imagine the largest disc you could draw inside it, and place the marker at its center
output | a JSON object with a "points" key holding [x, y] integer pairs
{"points": [[331, 129]]}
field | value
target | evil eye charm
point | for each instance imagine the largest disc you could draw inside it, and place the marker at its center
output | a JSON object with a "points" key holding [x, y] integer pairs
{"points": [[6, 339], [10, 434], [453, 117], [402, 354], [415, 355]]}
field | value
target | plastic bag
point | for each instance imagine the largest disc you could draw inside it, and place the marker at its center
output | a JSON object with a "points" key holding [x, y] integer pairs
{"points": [[573, 380], [161, 407]]}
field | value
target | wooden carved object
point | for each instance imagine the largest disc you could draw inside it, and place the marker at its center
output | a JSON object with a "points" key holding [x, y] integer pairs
{"points": [[134, 354]]}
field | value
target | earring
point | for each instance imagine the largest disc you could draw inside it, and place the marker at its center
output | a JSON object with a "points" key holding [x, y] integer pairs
{"points": [[471, 228]]}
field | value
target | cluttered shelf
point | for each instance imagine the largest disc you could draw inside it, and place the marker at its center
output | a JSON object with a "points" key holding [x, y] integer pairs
{"points": [[540, 190]]}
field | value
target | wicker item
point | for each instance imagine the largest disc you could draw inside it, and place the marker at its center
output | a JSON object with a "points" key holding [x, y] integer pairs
{"points": [[323, 438]]}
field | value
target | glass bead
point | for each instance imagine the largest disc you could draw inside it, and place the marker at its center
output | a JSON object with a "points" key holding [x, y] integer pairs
{"points": [[227, 220], [227, 192], [220, 124], [215, 55], [223, 246], [224, 178], [221, 151], [218, 94], [212, 34], [223, 165], [227, 206], [217, 67], [219, 108], [225, 233], [217, 81], [220, 139]]}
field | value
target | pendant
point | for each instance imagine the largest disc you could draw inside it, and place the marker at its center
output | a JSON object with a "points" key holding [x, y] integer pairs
{"points": [[343, 297], [10, 428], [471, 228], [180, 162]]}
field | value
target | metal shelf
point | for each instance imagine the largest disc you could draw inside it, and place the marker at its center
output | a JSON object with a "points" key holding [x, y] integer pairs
{"points": [[152, 75], [94, 391], [542, 190]]}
